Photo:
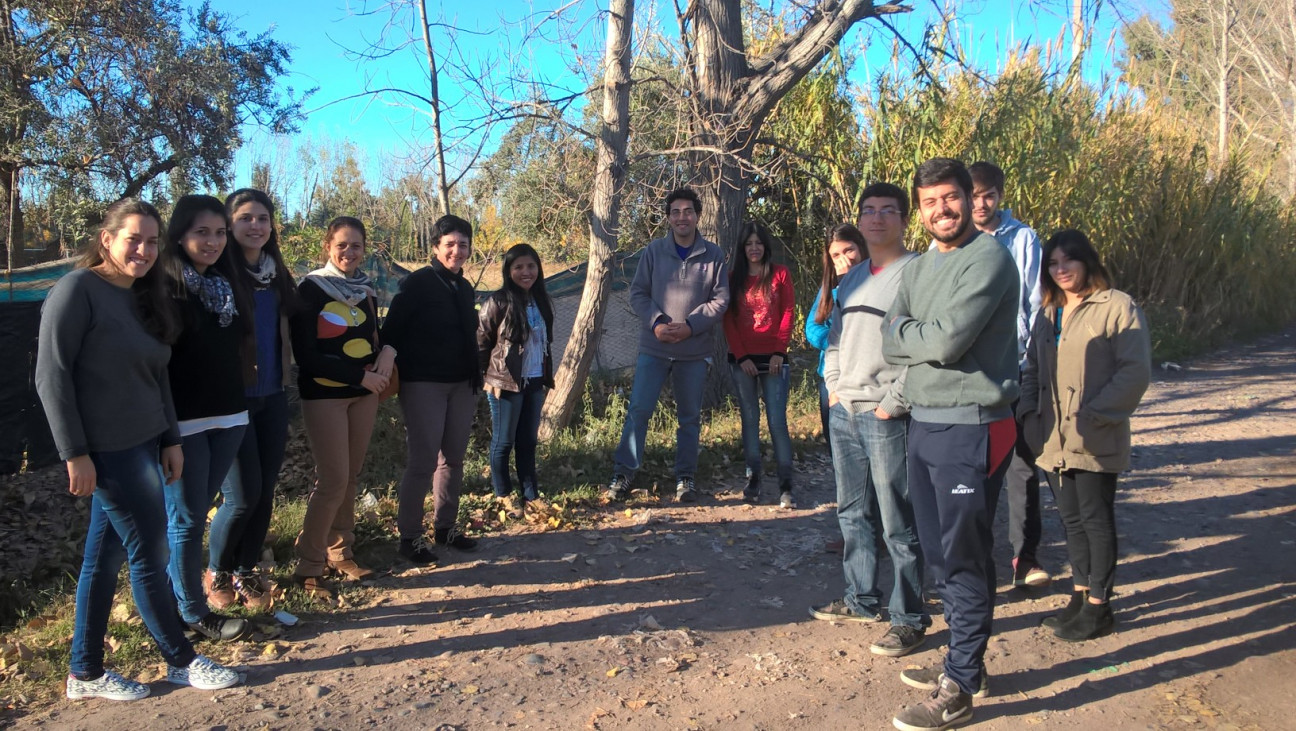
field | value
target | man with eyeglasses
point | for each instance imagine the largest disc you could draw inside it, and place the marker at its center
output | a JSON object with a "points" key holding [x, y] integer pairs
{"points": [[1022, 482], [680, 291], [868, 416], [954, 325]]}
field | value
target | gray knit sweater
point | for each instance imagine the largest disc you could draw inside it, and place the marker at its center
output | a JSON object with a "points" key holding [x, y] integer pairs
{"points": [[694, 290], [854, 368], [100, 375], [954, 323]]}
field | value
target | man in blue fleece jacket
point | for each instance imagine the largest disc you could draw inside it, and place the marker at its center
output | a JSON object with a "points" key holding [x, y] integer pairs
{"points": [[680, 291], [1022, 483], [954, 324]]}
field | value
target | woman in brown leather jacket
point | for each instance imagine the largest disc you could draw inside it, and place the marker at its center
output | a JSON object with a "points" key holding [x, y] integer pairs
{"points": [[1088, 364], [513, 347]]}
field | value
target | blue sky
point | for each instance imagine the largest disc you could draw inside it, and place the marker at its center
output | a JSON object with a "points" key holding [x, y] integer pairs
{"points": [[325, 33]]}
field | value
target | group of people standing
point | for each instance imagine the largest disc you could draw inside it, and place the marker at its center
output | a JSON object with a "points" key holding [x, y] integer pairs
{"points": [[164, 358], [163, 363], [944, 373]]}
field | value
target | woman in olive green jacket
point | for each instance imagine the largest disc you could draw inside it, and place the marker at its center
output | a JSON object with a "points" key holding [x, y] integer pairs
{"points": [[1088, 364]]}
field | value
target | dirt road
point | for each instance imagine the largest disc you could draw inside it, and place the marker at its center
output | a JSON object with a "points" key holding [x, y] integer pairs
{"points": [[696, 617]]}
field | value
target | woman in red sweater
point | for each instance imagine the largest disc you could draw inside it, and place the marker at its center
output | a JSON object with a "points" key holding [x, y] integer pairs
{"points": [[758, 326]]}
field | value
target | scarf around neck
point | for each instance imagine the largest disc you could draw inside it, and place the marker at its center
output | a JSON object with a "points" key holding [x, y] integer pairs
{"points": [[263, 272], [351, 290], [214, 292]]}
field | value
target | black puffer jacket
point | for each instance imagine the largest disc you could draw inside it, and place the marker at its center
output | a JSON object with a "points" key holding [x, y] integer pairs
{"points": [[500, 349]]}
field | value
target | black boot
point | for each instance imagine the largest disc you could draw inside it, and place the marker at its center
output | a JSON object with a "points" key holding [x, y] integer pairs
{"points": [[1094, 620], [1073, 607], [751, 493]]}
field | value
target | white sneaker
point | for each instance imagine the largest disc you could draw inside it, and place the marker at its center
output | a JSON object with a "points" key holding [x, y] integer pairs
{"points": [[786, 502], [110, 685], [203, 674]]}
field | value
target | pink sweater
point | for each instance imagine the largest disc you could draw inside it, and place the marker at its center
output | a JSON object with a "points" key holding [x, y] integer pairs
{"points": [[756, 325]]}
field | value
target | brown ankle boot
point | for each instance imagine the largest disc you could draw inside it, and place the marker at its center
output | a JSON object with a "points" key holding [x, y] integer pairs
{"points": [[219, 587]]}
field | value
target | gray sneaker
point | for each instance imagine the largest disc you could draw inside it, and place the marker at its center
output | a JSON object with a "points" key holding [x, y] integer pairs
{"points": [[898, 641], [684, 491], [839, 611], [203, 674], [110, 685], [785, 501], [929, 679], [948, 706]]}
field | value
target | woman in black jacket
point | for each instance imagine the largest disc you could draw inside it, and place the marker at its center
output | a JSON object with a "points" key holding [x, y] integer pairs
{"points": [[432, 324], [513, 349]]}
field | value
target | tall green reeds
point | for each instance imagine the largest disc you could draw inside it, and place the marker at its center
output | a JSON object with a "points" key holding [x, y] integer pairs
{"points": [[1208, 252]]}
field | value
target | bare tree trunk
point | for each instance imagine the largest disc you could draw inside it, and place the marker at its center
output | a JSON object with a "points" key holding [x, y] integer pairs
{"points": [[13, 223], [443, 185], [604, 224], [1224, 69]]}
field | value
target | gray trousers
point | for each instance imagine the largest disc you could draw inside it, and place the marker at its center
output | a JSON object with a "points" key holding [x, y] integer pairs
{"points": [[438, 422]]}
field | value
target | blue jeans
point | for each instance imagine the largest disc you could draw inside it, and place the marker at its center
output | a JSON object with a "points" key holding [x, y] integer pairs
{"points": [[207, 458], [872, 492], [515, 427], [688, 378], [773, 389], [127, 522], [247, 496]]}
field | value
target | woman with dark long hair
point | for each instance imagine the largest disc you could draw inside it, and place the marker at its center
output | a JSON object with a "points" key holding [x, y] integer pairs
{"points": [[1087, 367], [758, 326], [207, 380], [101, 372], [513, 348], [844, 249], [238, 530], [342, 367], [432, 323]]}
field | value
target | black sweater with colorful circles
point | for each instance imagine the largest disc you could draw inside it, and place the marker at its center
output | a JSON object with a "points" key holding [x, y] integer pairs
{"points": [[332, 342]]}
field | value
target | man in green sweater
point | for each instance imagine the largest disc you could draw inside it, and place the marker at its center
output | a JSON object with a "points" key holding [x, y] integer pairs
{"points": [[954, 324]]}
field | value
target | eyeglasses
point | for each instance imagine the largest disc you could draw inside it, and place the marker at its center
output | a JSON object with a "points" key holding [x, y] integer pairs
{"points": [[885, 212]]}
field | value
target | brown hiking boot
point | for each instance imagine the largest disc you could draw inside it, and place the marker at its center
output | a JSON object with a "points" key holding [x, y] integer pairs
{"points": [[251, 592], [315, 587], [350, 570], [219, 587]]}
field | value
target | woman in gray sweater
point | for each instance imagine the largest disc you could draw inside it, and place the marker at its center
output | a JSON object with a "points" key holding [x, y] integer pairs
{"points": [[101, 372]]}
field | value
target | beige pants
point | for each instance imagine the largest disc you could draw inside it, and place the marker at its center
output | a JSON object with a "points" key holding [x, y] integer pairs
{"points": [[338, 431]]}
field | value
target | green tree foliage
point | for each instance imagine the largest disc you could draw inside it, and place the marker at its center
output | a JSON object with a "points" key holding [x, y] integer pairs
{"points": [[109, 96]]}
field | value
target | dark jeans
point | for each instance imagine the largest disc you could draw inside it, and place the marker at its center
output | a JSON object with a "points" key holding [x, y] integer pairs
{"points": [[823, 414], [127, 522], [1022, 483], [207, 459], [515, 427], [873, 489], [772, 388], [955, 474], [239, 529], [1087, 503]]}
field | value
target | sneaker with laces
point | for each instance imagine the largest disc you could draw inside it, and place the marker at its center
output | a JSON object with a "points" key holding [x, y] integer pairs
{"points": [[898, 641], [785, 501], [110, 685], [929, 679], [685, 492], [250, 589], [417, 550], [839, 611], [219, 587], [619, 489], [203, 674], [948, 706], [453, 538], [221, 628]]}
